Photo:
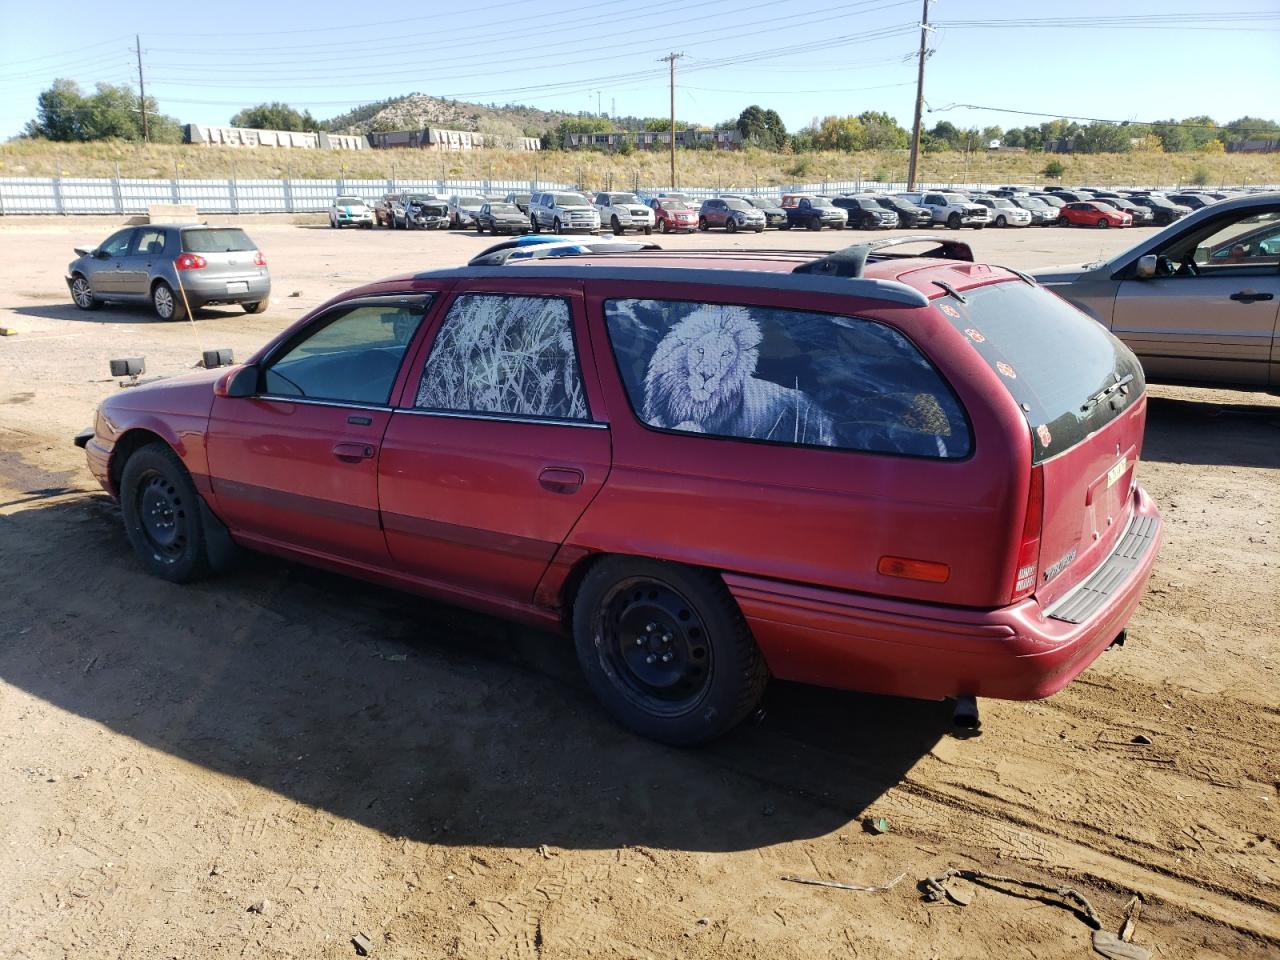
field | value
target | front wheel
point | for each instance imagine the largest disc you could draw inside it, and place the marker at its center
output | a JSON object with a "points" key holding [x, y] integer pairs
{"points": [[480, 228], [1001, 221], [662, 227], [533, 225], [82, 294], [815, 224], [953, 221], [617, 227], [1102, 224], [162, 515], [165, 303], [1064, 222], [556, 226], [702, 223], [666, 650], [731, 225]]}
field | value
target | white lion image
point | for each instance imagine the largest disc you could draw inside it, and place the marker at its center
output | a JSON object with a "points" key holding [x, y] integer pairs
{"points": [[700, 379]]}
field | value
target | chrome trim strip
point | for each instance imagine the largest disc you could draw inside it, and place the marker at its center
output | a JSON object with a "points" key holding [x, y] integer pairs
{"points": [[337, 404], [541, 421]]}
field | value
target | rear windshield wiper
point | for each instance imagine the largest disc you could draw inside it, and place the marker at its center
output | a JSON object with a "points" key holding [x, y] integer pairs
{"points": [[1121, 384]]}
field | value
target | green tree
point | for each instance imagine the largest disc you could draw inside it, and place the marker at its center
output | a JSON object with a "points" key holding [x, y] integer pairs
{"points": [[1054, 169], [946, 135], [881, 131], [274, 116], [761, 127], [1103, 138], [1249, 128], [65, 113], [992, 133], [840, 133], [1013, 138], [60, 113]]}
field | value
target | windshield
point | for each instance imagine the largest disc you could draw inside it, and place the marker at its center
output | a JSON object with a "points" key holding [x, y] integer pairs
{"points": [[504, 208], [819, 202], [421, 198], [673, 205], [348, 202], [216, 240], [570, 200], [737, 205], [471, 201], [1000, 202], [954, 200], [1023, 332], [623, 198]]}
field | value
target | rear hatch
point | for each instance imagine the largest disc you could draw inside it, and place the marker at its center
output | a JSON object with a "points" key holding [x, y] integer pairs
{"points": [[1083, 395], [228, 251]]}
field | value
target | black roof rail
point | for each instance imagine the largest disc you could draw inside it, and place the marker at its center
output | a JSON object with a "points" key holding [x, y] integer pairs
{"points": [[850, 261]]}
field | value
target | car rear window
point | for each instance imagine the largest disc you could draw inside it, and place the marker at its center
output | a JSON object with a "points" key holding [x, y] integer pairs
{"points": [[216, 240], [783, 376], [1068, 374]]}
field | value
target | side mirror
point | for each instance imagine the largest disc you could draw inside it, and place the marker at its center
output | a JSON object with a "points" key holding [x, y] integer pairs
{"points": [[100, 254], [240, 382], [1146, 266]]}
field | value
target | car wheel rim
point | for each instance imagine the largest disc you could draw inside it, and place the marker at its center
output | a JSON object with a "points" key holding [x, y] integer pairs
{"points": [[164, 302], [654, 646], [81, 293], [162, 516]]}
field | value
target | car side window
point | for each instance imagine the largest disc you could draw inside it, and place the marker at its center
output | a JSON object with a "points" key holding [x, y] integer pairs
{"points": [[352, 355], [503, 354], [784, 376], [117, 245], [149, 242], [1252, 241]]}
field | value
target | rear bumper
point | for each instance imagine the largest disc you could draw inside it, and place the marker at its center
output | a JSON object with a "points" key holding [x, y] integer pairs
{"points": [[855, 642], [201, 291]]}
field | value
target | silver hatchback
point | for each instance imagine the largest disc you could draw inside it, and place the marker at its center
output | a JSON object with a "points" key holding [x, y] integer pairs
{"points": [[176, 269]]}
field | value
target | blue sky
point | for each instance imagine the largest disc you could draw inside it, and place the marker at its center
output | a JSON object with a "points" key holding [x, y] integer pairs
{"points": [[804, 58]]}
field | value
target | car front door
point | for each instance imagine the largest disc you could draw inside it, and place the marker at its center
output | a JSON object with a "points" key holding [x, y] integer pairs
{"points": [[493, 451], [296, 465], [1212, 312], [107, 274], [146, 251]]}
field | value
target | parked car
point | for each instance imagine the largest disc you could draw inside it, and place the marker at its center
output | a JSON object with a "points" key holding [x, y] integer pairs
{"points": [[673, 216], [865, 214], [774, 215], [621, 212], [463, 209], [1196, 201], [732, 214], [419, 211], [910, 215], [954, 210], [1092, 214], [1074, 196], [1142, 217], [1052, 199], [1004, 212], [174, 268], [561, 212], [501, 218], [1163, 210], [521, 200], [382, 216], [1042, 214], [1196, 301], [868, 475], [813, 213], [350, 212]]}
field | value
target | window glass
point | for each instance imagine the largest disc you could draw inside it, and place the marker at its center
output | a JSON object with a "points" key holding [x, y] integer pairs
{"points": [[785, 376], [1251, 241], [117, 245], [353, 356], [216, 240], [150, 242], [505, 354]]}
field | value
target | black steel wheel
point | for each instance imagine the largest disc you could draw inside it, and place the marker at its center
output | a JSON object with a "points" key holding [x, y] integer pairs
{"points": [[162, 515], [666, 650]]}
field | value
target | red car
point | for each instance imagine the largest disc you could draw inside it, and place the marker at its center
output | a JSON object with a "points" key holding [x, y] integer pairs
{"points": [[865, 471], [1086, 213], [674, 216]]}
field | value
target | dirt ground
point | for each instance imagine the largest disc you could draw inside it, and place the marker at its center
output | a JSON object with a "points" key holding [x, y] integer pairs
{"points": [[268, 764]]}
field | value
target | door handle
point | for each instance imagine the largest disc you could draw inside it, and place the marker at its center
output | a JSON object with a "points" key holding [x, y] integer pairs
{"points": [[353, 452], [561, 479], [1250, 296]]}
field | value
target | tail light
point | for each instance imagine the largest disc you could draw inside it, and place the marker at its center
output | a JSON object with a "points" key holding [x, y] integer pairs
{"points": [[191, 261], [1024, 577], [258, 259]]}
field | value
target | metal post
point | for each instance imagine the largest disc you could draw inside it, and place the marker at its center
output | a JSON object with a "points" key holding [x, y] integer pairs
{"points": [[142, 90], [173, 184], [915, 129], [116, 196], [57, 193], [671, 59]]}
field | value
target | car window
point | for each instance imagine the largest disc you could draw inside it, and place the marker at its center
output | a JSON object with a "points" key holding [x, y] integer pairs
{"points": [[505, 354], [216, 240], [784, 376], [1252, 241], [352, 356], [117, 245], [150, 242]]}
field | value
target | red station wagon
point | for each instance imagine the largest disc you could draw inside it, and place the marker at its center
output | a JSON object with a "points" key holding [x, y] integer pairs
{"points": [[903, 475]]}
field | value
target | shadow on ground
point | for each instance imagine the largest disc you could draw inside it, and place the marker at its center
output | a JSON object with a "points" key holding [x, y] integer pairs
{"points": [[414, 718], [1213, 432], [116, 313]]}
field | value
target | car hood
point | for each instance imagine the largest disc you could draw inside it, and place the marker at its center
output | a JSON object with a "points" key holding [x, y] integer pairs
{"points": [[1066, 273], [190, 394]]}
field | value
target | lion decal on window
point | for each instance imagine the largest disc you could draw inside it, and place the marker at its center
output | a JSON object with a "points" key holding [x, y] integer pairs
{"points": [[701, 379]]}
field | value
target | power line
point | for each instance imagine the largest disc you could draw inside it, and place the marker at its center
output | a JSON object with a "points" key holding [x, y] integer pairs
{"points": [[1118, 123]]}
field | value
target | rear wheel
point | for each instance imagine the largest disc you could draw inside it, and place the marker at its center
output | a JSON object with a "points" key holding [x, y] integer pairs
{"points": [[259, 306], [162, 515], [165, 303], [82, 294], [666, 650]]}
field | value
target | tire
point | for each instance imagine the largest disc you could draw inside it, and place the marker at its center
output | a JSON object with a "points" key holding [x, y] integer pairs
{"points": [[662, 227], [702, 224], [717, 674], [979, 226], [556, 226], [162, 515], [648, 231], [1064, 222], [1102, 224], [838, 226], [785, 226], [480, 229], [815, 223], [259, 306], [332, 224], [166, 303], [953, 221], [82, 293], [616, 226], [533, 225], [731, 225], [759, 229], [1001, 222]]}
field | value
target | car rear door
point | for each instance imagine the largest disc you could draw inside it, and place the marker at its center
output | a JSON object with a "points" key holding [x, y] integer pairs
{"points": [[498, 442], [146, 250], [296, 465]]}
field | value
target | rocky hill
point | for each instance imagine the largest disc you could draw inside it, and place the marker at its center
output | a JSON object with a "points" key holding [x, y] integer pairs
{"points": [[417, 110]]}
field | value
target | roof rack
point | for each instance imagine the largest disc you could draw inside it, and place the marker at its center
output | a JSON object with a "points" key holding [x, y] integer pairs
{"points": [[850, 261], [536, 246]]}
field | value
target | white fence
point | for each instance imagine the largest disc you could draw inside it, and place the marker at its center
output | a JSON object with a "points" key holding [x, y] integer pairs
{"points": [[68, 195]]}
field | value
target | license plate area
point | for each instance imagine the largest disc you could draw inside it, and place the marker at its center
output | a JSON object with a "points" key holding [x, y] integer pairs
{"points": [[237, 286]]}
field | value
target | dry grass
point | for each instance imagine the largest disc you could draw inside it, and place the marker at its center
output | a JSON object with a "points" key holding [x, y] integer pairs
{"points": [[696, 168]]}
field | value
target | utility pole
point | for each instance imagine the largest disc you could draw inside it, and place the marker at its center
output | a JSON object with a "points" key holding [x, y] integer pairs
{"points": [[671, 59], [142, 90], [915, 129]]}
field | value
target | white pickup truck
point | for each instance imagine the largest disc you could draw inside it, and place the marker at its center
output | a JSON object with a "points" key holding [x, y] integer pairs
{"points": [[951, 208], [620, 212]]}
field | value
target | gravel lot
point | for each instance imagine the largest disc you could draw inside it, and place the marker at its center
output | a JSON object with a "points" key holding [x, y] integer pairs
{"points": [[268, 764]]}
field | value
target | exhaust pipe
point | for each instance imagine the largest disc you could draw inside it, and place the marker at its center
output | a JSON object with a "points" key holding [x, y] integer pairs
{"points": [[966, 715]]}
